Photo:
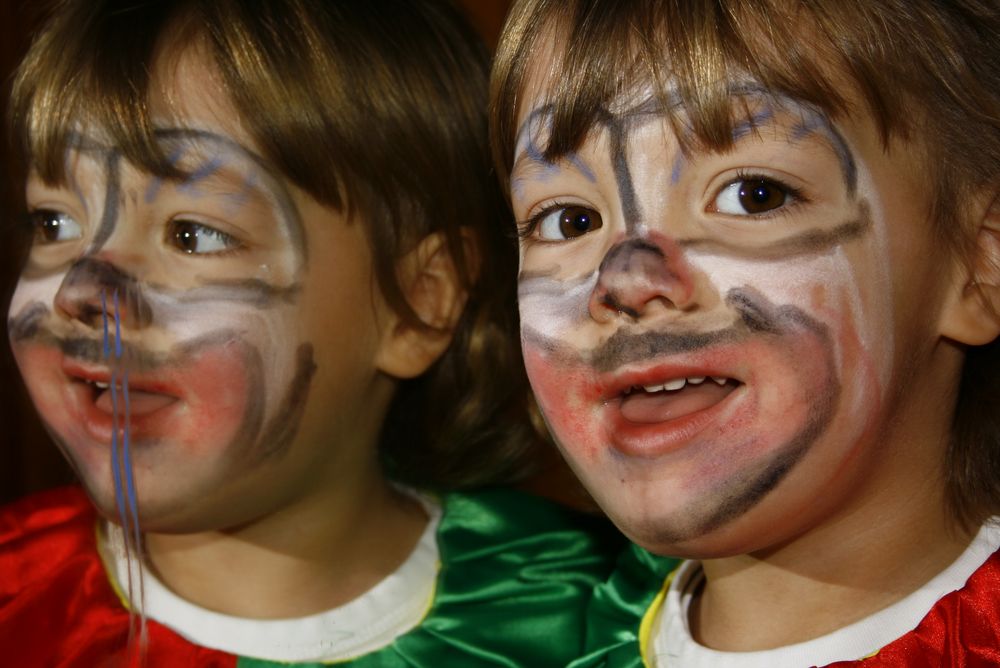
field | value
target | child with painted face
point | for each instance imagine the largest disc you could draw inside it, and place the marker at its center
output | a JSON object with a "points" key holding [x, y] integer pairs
{"points": [[267, 276], [759, 270]]}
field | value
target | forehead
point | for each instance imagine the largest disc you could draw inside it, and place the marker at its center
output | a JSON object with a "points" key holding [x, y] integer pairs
{"points": [[186, 90]]}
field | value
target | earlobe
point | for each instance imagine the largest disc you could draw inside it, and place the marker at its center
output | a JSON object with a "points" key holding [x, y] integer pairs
{"points": [[974, 316], [434, 289]]}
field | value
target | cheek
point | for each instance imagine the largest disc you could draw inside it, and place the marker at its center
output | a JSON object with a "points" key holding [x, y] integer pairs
{"points": [[555, 307], [34, 291], [39, 367], [217, 386], [568, 398]]}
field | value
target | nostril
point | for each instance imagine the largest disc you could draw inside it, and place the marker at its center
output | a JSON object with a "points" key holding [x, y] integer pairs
{"points": [[94, 289], [612, 303], [638, 273]]}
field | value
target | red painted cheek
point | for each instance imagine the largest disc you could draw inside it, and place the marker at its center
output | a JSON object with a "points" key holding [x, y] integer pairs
{"points": [[216, 391], [39, 366], [567, 397]]}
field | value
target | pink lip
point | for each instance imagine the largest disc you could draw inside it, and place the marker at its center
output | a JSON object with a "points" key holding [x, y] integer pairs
{"points": [[658, 439], [152, 399], [613, 386], [140, 382]]}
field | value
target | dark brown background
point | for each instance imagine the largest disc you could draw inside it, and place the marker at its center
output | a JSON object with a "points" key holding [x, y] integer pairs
{"points": [[28, 460]]}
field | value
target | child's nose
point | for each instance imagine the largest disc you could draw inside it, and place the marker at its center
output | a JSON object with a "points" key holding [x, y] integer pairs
{"points": [[637, 274], [93, 288]]}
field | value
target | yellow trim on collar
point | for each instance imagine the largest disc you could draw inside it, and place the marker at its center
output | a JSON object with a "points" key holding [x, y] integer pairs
{"points": [[652, 612]]}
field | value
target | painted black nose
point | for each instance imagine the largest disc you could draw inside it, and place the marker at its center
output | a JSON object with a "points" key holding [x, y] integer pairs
{"points": [[93, 288], [636, 273]]}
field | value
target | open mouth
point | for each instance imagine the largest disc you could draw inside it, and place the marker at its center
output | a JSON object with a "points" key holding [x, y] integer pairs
{"points": [[674, 398], [139, 398]]}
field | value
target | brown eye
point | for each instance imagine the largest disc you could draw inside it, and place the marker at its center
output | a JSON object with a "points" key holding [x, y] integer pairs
{"points": [[53, 226], [748, 197], [197, 239], [568, 222], [760, 196]]}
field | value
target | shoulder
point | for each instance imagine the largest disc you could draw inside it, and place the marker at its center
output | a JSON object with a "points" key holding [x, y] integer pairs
{"points": [[517, 572], [622, 608], [963, 627]]}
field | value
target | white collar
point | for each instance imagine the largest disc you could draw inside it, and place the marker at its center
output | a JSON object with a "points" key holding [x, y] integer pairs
{"points": [[673, 645], [373, 620]]}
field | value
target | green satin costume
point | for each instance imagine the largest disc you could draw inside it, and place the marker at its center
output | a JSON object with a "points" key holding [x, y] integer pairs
{"points": [[516, 575], [618, 614]]}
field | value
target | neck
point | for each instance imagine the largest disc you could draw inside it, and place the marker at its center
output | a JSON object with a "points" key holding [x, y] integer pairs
{"points": [[828, 579], [316, 553]]}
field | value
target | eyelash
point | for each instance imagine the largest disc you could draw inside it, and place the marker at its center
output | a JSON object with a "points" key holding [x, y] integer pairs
{"points": [[526, 228], [795, 195]]}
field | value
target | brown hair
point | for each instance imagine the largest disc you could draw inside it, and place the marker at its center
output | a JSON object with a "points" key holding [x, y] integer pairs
{"points": [[926, 70], [376, 108]]}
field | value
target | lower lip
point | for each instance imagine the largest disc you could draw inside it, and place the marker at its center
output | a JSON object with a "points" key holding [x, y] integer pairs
{"points": [[100, 423], [651, 440]]}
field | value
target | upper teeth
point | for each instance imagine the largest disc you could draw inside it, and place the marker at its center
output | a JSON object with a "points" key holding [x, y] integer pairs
{"points": [[679, 383], [101, 384]]}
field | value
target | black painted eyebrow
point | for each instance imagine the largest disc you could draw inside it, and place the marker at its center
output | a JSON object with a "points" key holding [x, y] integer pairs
{"points": [[285, 203], [654, 106]]}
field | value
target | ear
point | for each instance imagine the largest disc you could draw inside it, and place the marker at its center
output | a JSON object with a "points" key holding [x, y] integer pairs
{"points": [[433, 288], [973, 318]]}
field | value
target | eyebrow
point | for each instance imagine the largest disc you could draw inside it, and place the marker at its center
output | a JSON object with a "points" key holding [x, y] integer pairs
{"points": [[283, 198], [531, 158], [813, 120]]}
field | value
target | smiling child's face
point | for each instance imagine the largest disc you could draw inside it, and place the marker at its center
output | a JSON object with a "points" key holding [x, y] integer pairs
{"points": [[725, 342], [247, 314]]}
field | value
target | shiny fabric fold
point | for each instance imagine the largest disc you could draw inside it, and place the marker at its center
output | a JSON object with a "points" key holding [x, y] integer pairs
{"points": [[516, 575], [615, 614]]}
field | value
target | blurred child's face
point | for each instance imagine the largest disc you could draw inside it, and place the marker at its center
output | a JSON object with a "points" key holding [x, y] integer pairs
{"points": [[719, 340], [247, 315]]}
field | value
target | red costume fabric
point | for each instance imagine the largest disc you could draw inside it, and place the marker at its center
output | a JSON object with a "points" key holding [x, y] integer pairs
{"points": [[53, 583], [515, 575]]}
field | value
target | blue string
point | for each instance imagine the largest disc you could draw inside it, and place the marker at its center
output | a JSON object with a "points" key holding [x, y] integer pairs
{"points": [[130, 478], [118, 329], [115, 464], [104, 313]]}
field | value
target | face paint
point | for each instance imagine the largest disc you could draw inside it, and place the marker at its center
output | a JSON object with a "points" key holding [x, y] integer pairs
{"points": [[711, 336], [204, 289]]}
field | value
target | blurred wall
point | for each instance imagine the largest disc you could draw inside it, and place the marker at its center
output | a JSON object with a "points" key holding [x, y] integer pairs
{"points": [[28, 460]]}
